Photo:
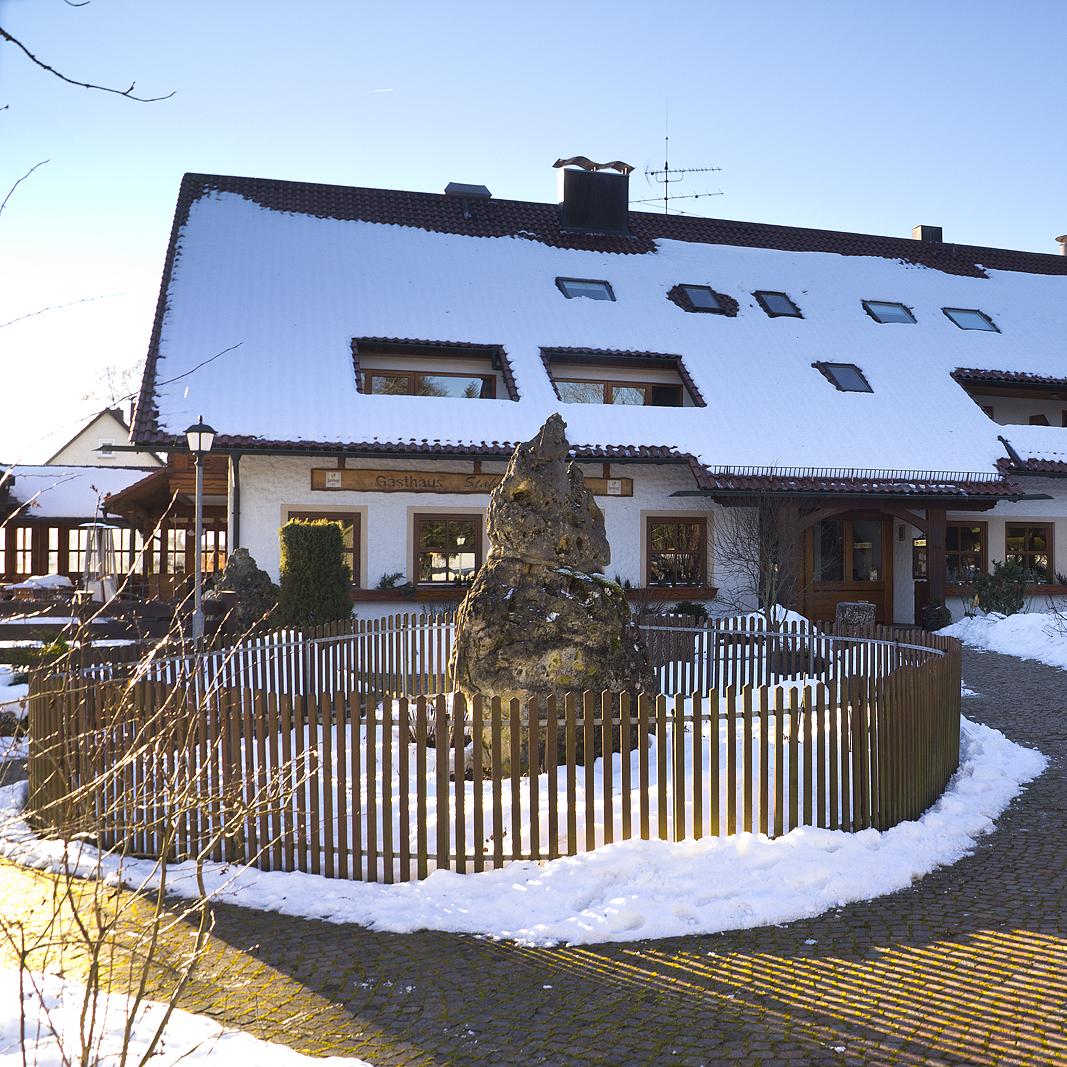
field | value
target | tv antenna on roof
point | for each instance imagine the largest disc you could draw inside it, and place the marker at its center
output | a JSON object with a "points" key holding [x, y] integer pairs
{"points": [[668, 176]]}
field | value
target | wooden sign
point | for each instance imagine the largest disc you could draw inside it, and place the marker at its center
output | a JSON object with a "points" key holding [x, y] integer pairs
{"points": [[357, 480]]}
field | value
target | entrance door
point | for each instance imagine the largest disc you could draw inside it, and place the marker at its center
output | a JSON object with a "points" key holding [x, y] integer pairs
{"points": [[849, 557]]}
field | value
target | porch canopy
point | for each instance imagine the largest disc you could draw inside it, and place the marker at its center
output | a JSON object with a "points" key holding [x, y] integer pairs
{"points": [[853, 509]]}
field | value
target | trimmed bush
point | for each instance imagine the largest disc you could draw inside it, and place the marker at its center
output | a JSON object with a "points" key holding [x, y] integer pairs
{"points": [[1003, 591], [315, 579], [935, 617]]}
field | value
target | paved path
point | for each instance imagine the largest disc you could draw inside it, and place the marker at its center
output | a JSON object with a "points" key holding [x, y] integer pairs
{"points": [[967, 967]]}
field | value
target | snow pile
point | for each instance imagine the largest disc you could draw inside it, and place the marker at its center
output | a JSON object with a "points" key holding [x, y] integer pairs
{"points": [[45, 582], [53, 1004], [1041, 636], [630, 890], [13, 696]]}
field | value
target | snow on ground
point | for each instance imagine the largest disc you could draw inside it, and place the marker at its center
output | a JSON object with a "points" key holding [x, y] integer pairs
{"points": [[13, 697], [53, 1004], [1041, 636], [626, 891], [14, 748]]}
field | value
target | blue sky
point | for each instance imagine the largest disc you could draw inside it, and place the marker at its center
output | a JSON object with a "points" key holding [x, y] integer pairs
{"points": [[853, 116]]}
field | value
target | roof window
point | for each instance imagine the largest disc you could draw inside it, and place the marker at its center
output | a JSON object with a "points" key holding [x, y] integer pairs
{"points": [[777, 305], [845, 377], [587, 287], [702, 298], [970, 319], [428, 368], [887, 311]]}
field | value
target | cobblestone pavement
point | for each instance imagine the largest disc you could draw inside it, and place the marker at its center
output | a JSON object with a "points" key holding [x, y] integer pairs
{"points": [[969, 966]]}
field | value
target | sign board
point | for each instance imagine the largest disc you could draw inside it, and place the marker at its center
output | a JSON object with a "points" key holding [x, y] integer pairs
{"points": [[355, 480]]}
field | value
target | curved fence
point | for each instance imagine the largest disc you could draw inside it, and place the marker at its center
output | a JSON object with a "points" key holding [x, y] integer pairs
{"points": [[297, 753]]}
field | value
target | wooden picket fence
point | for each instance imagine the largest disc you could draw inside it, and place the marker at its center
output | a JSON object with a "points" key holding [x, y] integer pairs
{"points": [[409, 653], [347, 784]]}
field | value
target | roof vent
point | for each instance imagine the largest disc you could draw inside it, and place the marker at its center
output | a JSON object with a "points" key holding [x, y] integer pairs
{"points": [[594, 197], [927, 233], [1062, 242], [470, 192]]}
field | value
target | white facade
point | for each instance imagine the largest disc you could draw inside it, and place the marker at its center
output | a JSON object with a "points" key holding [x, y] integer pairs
{"points": [[273, 487]]}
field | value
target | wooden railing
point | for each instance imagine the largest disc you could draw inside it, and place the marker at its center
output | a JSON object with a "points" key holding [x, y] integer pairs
{"points": [[318, 778]]}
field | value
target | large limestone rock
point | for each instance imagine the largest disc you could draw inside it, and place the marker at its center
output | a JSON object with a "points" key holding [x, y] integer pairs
{"points": [[538, 618], [254, 595]]}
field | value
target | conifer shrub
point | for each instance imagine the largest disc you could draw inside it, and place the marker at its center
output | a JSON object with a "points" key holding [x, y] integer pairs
{"points": [[1004, 590], [315, 578]]}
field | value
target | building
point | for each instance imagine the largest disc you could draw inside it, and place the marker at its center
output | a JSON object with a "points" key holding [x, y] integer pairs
{"points": [[373, 355]]}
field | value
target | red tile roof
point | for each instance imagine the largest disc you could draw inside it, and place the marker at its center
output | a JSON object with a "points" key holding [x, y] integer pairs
{"points": [[975, 376], [848, 482]]}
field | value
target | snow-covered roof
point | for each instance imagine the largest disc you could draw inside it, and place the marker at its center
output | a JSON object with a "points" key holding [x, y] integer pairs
{"points": [[55, 492], [280, 277]]}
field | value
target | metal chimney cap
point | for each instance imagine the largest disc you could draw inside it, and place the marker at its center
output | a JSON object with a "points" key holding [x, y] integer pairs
{"points": [[471, 192]]}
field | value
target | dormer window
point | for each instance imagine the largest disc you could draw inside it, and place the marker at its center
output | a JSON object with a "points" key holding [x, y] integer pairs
{"points": [[590, 288], [425, 383], [423, 368], [884, 311], [777, 305], [630, 379], [845, 377], [971, 319]]}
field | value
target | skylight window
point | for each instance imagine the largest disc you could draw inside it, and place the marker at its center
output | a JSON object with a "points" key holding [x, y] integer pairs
{"points": [[777, 305], [970, 319], [587, 287], [886, 311], [845, 377], [702, 298]]}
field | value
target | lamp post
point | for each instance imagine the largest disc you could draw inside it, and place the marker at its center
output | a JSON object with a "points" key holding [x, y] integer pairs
{"points": [[200, 437]]}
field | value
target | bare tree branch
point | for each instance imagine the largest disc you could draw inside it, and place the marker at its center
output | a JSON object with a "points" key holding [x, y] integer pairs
{"points": [[128, 93], [21, 180], [58, 307]]}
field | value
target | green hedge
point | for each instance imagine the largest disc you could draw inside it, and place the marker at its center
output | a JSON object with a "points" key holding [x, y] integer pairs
{"points": [[315, 579]]}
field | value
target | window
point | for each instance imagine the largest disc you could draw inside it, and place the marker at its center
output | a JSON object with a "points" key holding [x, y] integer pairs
{"points": [[884, 311], [1039, 420], [988, 409], [964, 552], [640, 394], [106, 449], [969, 319], [77, 549], [432, 368], [174, 550], [633, 379], [677, 551], [702, 298], [213, 551], [1031, 546], [350, 530], [448, 549], [845, 377], [848, 550], [777, 305], [24, 550], [53, 549], [587, 287], [429, 383], [128, 545]]}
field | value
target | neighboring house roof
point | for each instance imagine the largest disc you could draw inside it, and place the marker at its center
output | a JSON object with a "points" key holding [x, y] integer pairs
{"points": [[266, 284], [55, 492], [1041, 449], [85, 442]]}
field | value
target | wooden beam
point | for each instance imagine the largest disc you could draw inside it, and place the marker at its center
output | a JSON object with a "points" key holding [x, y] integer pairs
{"points": [[935, 552]]}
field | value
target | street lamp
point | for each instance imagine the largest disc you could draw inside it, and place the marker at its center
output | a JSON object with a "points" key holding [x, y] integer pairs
{"points": [[200, 437]]}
